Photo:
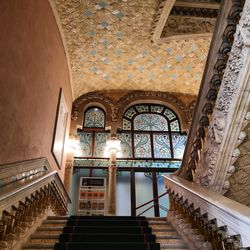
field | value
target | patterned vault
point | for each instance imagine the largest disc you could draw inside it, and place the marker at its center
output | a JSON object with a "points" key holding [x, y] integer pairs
{"points": [[109, 47]]}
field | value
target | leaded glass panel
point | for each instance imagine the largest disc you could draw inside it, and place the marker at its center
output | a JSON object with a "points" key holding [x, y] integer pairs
{"points": [[169, 114], [126, 145], [130, 113], [100, 149], [142, 145], [174, 126], [85, 144], [156, 108], [126, 124], [161, 146], [94, 118], [142, 108], [179, 142], [150, 122]]}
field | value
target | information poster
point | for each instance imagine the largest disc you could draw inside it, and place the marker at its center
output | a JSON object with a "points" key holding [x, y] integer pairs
{"points": [[92, 196]]}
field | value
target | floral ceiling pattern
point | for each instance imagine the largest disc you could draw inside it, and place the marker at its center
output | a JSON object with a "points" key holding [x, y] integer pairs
{"points": [[109, 46]]}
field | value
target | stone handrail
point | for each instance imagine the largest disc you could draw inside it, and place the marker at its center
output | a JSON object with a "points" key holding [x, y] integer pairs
{"points": [[24, 200], [15, 171], [12, 198], [226, 211]]}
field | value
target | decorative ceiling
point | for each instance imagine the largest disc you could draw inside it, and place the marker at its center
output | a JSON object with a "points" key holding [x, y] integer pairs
{"points": [[109, 46]]}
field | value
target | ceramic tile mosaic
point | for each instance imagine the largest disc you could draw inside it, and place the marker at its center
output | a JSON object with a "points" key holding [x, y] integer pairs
{"points": [[128, 163], [109, 46]]}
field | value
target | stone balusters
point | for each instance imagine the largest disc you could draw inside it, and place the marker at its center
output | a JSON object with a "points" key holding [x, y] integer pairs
{"points": [[202, 231], [17, 218]]}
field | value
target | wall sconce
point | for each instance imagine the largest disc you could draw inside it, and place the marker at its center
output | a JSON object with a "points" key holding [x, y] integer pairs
{"points": [[113, 143]]}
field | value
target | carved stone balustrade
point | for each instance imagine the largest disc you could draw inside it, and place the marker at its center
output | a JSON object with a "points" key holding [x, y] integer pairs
{"points": [[25, 199], [201, 156], [215, 219]]}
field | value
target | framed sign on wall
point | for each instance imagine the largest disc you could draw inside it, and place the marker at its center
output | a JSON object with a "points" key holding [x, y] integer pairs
{"points": [[92, 196], [60, 129]]}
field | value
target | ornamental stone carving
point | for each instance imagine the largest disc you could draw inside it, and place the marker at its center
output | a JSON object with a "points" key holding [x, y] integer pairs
{"points": [[188, 25], [225, 130]]}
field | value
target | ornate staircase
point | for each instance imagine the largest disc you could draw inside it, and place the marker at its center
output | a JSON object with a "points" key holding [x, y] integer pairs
{"points": [[119, 232]]}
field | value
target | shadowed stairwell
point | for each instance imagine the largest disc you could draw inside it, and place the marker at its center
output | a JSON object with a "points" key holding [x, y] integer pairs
{"points": [[105, 233]]}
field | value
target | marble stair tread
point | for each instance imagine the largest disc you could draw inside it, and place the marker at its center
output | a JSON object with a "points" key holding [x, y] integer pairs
{"points": [[46, 228], [44, 236], [38, 246], [54, 221], [156, 219], [163, 237], [158, 222], [170, 229], [57, 217], [174, 246]]}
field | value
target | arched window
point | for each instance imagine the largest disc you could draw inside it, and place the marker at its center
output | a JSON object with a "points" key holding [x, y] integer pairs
{"points": [[94, 117], [151, 131], [93, 135]]}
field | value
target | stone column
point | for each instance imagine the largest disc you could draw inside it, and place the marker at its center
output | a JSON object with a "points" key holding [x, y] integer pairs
{"points": [[113, 145]]}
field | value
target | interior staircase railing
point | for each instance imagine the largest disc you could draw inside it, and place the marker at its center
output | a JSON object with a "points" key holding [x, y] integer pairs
{"points": [[219, 221], [156, 204], [221, 44], [27, 190]]}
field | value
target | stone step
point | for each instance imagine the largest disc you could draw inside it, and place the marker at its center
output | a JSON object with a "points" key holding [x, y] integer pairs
{"points": [[40, 246], [54, 223], [174, 246], [156, 218], [60, 222], [44, 238], [57, 217], [163, 237], [162, 227], [49, 230], [170, 241], [159, 222]]}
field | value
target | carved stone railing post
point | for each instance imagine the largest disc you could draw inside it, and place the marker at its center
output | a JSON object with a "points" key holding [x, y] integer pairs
{"points": [[230, 113]]}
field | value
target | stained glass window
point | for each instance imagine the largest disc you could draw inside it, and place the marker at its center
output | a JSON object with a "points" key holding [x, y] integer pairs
{"points": [[175, 126], [85, 144], [179, 142], [100, 149], [130, 113], [126, 124], [126, 145], [161, 146], [169, 114], [162, 138], [150, 122], [156, 108], [142, 108], [94, 118], [142, 147]]}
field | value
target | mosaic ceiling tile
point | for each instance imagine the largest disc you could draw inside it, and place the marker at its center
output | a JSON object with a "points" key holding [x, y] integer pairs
{"points": [[118, 14], [101, 5], [109, 47], [87, 13]]}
